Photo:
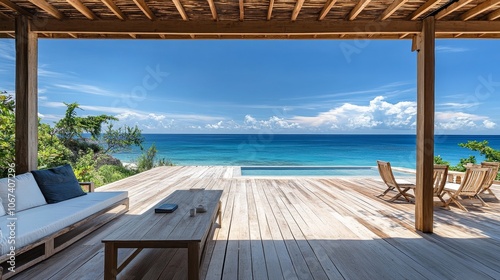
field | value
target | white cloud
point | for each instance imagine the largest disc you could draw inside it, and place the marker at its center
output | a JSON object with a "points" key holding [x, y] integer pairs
{"points": [[461, 121], [88, 89], [489, 124], [460, 105], [378, 113], [448, 49]]}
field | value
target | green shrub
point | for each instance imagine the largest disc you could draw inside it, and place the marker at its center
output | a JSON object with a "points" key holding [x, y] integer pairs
{"points": [[112, 173]]}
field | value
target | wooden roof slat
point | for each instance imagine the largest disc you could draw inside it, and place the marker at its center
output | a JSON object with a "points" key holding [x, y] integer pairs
{"points": [[44, 5], [326, 9], [242, 10], [270, 9], [2, 15], [112, 6], [77, 4], [213, 9], [494, 15], [479, 9], [145, 9], [180, 8], [358, 9], [73, 35], [453, 7], [9, 5], [162, 36], [423, 9], [134, 36], [391, 9], [296, 10]]}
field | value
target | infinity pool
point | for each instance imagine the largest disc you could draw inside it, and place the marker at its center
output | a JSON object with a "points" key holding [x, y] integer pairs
{"points": [[361, 171]]}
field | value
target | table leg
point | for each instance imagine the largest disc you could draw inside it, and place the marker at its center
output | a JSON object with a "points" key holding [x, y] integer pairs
{"points": [[194, 260], [110, 261]]}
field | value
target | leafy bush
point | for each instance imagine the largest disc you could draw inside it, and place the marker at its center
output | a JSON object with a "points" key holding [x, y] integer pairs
{"points": [[148, 160], [439, 160], [7, 141], [111, 173]]}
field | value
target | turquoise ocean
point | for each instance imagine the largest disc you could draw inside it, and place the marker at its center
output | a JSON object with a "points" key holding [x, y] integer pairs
{"points": [[301, 149]]}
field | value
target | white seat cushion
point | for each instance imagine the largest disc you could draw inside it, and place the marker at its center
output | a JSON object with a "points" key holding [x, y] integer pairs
{"points": [[36, 223], [27, 194], [451, 186]]}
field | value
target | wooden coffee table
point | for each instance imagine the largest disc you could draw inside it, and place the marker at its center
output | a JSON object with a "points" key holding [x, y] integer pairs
{"points": [[169, 230]]}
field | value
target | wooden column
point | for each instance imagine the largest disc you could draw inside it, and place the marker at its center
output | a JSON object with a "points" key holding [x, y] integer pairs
{"points": [[424, 208], [26, 96]]}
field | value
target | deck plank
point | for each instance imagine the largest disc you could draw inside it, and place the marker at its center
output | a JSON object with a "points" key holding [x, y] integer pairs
{"points": [[293, 228]]}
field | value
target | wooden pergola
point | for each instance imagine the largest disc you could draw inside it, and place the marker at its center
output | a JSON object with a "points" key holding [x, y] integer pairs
{"points": [[418, 20]]}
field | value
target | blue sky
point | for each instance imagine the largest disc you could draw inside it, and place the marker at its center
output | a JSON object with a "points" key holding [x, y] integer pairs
{"points": [[283, 86]]}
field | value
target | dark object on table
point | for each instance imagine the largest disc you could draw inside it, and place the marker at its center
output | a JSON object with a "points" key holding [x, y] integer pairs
{"points": [[166, 208]]}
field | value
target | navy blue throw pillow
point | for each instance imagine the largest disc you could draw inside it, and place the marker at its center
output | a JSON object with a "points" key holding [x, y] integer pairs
{"points": [[58, 184]]}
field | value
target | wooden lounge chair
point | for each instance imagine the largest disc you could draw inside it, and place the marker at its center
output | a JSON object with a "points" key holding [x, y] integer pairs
{"points": [[491, 176], [440, 177], [385, 170], [469, 187]]}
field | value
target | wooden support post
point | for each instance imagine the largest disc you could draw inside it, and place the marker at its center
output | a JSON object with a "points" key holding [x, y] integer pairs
{"points": [[26, 96], [424, 208]]}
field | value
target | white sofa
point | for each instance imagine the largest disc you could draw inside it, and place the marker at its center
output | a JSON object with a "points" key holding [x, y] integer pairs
{"points": [[42, 229]]}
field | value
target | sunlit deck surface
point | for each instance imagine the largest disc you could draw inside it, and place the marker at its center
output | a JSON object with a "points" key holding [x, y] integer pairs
{"points": [[296, 228]]}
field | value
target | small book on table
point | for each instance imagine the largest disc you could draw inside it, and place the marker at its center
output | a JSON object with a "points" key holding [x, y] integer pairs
{"points": [[166, 208]]}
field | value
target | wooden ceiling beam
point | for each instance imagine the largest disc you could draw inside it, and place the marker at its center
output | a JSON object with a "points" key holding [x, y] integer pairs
{"points": [[133, 36], [270, 9], [323, 29], [73, 35], [162, 36], [180, 9], [494, 15], [392, 8], [468, 27], [9, 5], [112, 6], [296, 10], [242, 10], [51, 10], [223, 27], [423, 9], [483, 7], [358, 9], [213, 9], [453, 7], [77, 4], [326, 9], [145, 9]]}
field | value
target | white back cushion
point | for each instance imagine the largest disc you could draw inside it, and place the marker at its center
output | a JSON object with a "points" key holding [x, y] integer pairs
{"points": [[27, 193]]}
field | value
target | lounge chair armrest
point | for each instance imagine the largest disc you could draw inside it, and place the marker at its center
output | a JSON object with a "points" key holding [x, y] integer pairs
{"points": [[90, 186]]}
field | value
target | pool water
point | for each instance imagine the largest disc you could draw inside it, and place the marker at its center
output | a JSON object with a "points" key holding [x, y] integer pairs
{"points": [[361, 171]]}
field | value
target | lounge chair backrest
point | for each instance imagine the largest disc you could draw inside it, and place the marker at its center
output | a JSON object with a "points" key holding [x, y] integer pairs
{"points": [[440, 176], [491, 175], [473, 181], [385, 170]]}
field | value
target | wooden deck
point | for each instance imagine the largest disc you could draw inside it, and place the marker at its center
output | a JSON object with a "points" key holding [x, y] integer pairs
{"points": [[297, 228]]}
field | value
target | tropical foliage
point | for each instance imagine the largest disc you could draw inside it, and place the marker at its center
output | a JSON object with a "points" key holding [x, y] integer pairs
{"points": [[79, 141], [482, 147]]}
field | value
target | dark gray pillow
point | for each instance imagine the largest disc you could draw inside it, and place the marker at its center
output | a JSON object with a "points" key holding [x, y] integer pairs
{"points": [[58, 184]]}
